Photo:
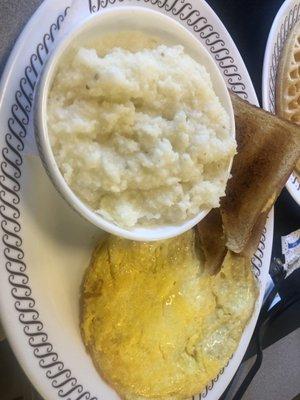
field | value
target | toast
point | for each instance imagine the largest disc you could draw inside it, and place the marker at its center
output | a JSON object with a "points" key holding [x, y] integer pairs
{"points": [[268, 149], [212, 240]]}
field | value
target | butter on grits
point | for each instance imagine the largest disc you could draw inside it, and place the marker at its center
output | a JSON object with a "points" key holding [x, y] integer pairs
{"points": [[138, 132], [155, 322]]}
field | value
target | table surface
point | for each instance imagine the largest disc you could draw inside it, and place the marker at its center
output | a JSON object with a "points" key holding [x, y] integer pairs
{"points": [[249, 22]]}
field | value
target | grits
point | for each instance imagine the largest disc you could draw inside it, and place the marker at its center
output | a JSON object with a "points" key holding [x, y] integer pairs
{"points": [[138, 131]]}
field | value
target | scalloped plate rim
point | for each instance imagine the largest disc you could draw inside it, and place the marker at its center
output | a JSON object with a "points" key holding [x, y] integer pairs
{"points": [[24, 355]]}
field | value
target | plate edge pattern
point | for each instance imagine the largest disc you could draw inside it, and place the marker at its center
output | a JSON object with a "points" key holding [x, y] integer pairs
{"points": [[193, 18], [290, 20], [61, 378]]}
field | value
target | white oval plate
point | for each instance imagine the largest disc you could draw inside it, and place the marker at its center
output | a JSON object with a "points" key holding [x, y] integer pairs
{"points": [[285, 20], [46, 246]]}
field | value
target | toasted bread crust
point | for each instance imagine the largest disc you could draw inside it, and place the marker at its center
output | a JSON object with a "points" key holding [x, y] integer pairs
{"points": [[212, 240], [268, 149]]}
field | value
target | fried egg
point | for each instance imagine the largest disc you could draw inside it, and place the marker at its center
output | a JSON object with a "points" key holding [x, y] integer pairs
{"points": [[156, 323]]}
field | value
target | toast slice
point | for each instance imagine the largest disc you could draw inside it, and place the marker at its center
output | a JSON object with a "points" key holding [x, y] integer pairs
{"points": [[212, 240], [268, 148]]}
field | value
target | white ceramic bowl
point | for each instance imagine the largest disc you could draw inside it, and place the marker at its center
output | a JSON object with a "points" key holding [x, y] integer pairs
{"points": [[113, 20]]}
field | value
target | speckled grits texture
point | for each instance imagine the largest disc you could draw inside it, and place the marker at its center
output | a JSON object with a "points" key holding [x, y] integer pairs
{"points": [[140, 136]]}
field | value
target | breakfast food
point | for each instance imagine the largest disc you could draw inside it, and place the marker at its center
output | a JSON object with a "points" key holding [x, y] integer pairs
{"points": [[268, 149], [161, 319], [140, 135], [288, 80], [212, 240], [157, 324]]}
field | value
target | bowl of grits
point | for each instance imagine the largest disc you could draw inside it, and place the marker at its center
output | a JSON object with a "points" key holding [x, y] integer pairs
{"points": [[135, 125]]}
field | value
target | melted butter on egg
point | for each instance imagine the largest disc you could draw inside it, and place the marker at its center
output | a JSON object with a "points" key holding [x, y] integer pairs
{"points": [[155, 322]]}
